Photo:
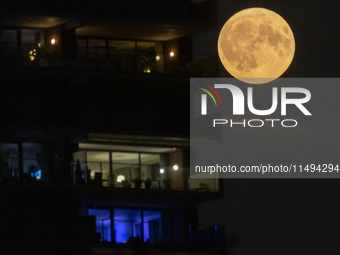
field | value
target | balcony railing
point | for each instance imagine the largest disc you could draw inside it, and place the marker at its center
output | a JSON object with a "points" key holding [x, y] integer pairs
{"points": [[139, 176], [102, 58], [201, 238], [123, 61]]}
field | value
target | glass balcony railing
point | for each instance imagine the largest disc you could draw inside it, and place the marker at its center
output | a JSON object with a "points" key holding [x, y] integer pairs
{"points": [[139, 176]]}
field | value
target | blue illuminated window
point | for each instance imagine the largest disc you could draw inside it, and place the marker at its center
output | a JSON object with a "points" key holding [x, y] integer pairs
{"points": [[152, 221], [128, 224], [103, 223]]}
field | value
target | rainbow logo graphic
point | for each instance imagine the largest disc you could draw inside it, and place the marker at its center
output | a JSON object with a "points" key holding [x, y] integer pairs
{"points": [[204, 97]]}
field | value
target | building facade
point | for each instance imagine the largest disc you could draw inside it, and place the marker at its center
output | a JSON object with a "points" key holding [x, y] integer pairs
{"points": [[94, 142]]}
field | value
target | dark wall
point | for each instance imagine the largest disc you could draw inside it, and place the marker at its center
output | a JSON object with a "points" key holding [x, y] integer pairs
{"points": [[149, 9], [96, 101], [38, 220]]}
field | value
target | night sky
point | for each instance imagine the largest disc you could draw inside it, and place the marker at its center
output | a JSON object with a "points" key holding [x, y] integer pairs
{"points": [[315, 25], [281, 216]]}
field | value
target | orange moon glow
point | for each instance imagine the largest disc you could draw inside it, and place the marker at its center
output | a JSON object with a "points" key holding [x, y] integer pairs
{"points": [[256, 45]]}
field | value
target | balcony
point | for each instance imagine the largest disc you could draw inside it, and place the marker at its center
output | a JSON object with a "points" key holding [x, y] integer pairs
{"points": [[117, 57], [97, 57], [203, 239], [134, 37], [47, 210], [139, 177]]}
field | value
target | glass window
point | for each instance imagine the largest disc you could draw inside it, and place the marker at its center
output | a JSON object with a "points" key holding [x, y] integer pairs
{"points": [[159, 56], [96, 43], [121, 55], [81, 43], [146, 46], [150, 166], [103, 223], [119, 45], [82, 49], [30, 36], [97, 49], [125, 168], [8, 36], [9, 164], [98, 167], [152, 224], [146, 57], [79, 166], [127, 225], [35, 160]]}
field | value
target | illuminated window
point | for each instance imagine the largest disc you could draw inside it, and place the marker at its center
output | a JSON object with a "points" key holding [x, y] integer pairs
{"points": [[9, 160], [152, 223], [98, 162], [128, 225], [35, 160], [150, 166], [126, 164], [103, 223], [120, 178]]}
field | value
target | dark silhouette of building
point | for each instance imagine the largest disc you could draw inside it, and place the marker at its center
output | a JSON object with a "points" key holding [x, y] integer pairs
{"points": [[94, 141]]}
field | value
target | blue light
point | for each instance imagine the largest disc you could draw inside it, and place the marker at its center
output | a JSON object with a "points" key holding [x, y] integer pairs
{"points": [[146, 232], [103, 223], [127, 224], [36, 174], [123, 231]]}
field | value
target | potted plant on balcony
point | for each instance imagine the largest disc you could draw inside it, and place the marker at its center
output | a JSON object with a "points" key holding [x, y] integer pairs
{"points": [[137, 182]]}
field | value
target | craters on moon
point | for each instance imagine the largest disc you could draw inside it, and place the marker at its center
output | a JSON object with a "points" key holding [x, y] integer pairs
{"points": [[256, 45]]}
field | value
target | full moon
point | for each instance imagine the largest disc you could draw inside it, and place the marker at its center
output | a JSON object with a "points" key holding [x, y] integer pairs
{"points": [[256, 45]]}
